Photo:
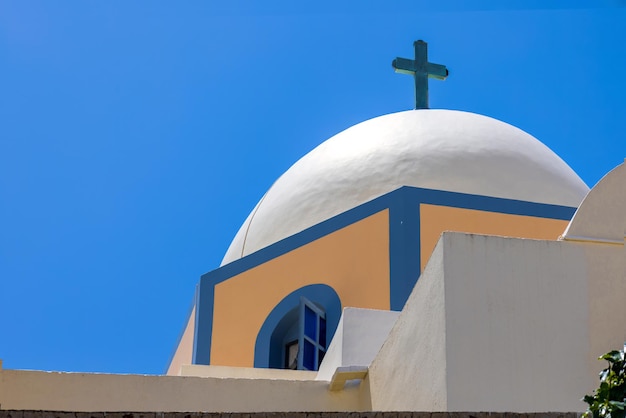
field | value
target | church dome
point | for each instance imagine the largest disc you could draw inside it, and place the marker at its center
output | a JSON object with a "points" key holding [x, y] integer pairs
{"points": [[434, 149]]}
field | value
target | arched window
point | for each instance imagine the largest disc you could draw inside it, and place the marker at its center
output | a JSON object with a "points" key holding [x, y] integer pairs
{"points": [[296, 333]]}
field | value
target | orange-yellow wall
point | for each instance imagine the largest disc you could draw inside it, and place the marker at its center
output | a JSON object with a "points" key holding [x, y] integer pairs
{"points": [[344, 260], [436, 219]]}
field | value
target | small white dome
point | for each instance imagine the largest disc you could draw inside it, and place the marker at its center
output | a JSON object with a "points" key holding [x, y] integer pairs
{"points": [[434, 149]]}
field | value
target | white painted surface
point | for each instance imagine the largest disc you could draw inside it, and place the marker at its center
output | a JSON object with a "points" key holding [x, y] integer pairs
{"points": [[245, 372], [33, 390], [504, 324], [359, 336], [517, 324], [409, 372], [435, 149], [602, 214]]}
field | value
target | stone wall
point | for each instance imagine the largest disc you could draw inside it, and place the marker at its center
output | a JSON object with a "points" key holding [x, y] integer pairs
{"points": [[52, 414]]}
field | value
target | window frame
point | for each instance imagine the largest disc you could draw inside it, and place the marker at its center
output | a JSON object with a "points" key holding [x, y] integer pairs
{"points": [[319, 349]]}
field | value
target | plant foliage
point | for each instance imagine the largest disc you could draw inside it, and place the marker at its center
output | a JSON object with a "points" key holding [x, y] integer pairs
{"points": [[609, 400]]}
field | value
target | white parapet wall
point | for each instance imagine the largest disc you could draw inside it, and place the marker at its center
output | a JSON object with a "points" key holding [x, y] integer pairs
{"points": [[504, 324], [409, 372], [200, 370], [52, 391], [359, 336]]}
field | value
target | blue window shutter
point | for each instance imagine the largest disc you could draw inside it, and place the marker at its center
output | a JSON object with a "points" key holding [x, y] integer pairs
{"points": [[311, 335]]}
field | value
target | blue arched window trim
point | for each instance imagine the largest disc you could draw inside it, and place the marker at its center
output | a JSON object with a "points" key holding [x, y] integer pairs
{"points": [[282, 316]]}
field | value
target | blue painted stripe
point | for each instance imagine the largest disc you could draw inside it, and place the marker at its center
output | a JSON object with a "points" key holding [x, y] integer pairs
{"points": [[492, 204], [204, 322], [404, 244]]}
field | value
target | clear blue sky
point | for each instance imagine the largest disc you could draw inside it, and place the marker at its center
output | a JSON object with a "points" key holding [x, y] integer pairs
{"points": [[136, 136]]}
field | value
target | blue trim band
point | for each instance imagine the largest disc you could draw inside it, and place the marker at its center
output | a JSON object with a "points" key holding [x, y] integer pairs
{"points": [[204, 322], [404, 244]]}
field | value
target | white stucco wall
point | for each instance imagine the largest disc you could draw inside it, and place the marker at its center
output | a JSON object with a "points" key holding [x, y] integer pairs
{"points": [[359, 336], [517, 324], [527, 319], [507, 324], [409, 372], [200, 370], [34, 390]]}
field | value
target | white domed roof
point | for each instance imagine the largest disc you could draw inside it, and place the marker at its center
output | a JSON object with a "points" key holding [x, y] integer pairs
{"points": [[434, 149]]}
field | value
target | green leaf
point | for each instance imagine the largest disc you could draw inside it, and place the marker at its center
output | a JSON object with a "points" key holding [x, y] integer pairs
{"points": [[613, 356], [609, 399]]}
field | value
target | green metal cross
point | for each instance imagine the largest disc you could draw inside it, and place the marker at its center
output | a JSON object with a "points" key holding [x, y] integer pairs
{"points": [[421, 70]]}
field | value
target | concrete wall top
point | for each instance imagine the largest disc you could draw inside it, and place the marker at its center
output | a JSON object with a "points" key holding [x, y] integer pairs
{"points": [[53, 414], [86, 392], [200, 370]]}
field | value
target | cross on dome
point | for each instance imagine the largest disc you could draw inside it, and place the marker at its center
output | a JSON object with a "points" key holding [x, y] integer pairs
{"points": [[421, 70]]}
